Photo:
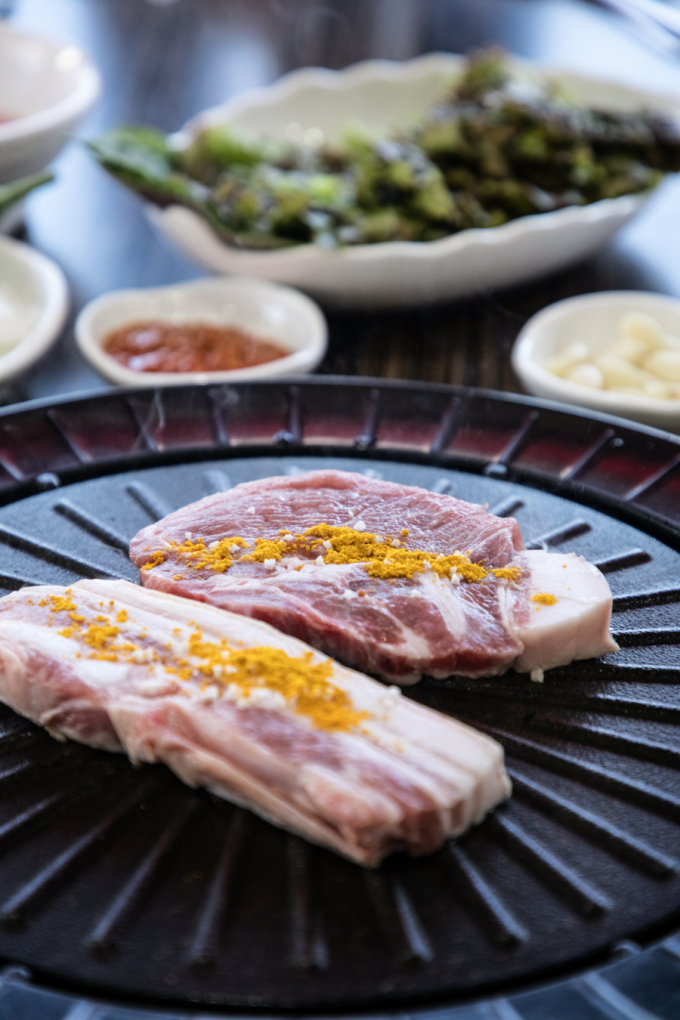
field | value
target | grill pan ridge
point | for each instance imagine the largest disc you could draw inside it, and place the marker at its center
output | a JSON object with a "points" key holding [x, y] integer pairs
{"points": [[123, 882]]}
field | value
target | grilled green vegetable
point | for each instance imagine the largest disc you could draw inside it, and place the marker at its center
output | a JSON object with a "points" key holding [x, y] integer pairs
{"points": [[11, 193], [495, 149]]}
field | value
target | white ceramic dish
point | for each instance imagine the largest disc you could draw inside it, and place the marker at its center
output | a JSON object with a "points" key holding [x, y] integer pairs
{"points": [[33, 306], [47, 87], [385, 95], [265, 309], [594, 319]]}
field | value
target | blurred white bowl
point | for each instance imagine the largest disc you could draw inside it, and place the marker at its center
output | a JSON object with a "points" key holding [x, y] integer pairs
{"points": [[46, 87], [593, 319], [266, 310], [385, 95], [33, 306]]}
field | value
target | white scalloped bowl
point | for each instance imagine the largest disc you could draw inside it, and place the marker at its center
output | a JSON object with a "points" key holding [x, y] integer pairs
{"points": [[385, 95], [266, 310], [46, 87]]}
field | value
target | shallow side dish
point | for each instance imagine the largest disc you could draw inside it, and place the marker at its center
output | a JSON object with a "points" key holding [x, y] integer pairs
{"points": [[593, 319], [267, 310]]}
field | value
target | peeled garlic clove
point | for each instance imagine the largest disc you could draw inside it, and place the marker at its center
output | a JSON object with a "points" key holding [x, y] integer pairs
{"points": [[617, 372], [586, 374], [642, 327], [566, 359], [665, 364], [672, 342], [635, 390], [630, 348], [659, 390]]}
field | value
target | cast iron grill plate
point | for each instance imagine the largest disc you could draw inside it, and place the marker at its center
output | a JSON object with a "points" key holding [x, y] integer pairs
{"points": [[122, 881]]}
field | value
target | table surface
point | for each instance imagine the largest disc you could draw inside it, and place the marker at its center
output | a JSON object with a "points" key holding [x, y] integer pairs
{"points": [[162, 62]]}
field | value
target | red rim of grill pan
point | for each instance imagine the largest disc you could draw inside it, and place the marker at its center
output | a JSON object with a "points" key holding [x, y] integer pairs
{"points": [[122, 884]]}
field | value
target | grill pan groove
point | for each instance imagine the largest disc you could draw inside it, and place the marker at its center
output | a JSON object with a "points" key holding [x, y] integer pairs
{"points": [[13, 908], [516, 443], [80, 452], [203, 949], [586, 823], [149, 501], [622, 561], [559, 535], [576, 891], [599, 736], [485, 901], [44, 551], [590, 456], [101, 938], [90, 525], [603, 779], [507, 507]]}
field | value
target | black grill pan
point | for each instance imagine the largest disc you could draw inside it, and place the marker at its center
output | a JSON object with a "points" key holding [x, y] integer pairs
{"points": [[122, 882]]}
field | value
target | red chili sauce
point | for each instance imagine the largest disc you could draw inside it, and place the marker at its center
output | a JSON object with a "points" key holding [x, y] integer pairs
{"points": [[195, 347]]}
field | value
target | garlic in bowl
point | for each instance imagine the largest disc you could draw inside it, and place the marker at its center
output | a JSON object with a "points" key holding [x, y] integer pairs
{"points": [[643, 359], [614, 351], [170, 336]]}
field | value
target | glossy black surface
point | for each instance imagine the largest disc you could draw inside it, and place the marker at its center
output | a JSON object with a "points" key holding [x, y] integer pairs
{"points": [[129, 884]]}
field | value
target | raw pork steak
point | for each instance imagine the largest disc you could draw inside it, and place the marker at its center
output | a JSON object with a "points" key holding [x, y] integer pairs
{"points": [[392, 579], [252, 714]]}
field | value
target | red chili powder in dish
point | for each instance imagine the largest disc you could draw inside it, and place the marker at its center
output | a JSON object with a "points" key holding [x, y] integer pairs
{"points": [[195, 347]]}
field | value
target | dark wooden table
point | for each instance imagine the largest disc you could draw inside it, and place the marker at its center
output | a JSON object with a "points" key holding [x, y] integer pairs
{"points": [[162, 62]]}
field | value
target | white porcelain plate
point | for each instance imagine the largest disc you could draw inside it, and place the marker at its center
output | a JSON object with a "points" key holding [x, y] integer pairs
{"points": [[385, 95], [266, 310]]}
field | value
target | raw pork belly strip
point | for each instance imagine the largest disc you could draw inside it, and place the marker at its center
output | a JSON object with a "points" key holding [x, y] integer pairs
{"points": [[399, 627], [252, 714]]}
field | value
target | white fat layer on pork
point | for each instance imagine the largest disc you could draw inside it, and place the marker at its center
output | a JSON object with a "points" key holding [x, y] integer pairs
{"points": [[354, 807], [50, 643], [444, 596], [576, 626], [199, 767]]}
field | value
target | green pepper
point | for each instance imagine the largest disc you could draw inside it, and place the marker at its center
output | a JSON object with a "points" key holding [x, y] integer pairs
{"points": [[15, 190]]}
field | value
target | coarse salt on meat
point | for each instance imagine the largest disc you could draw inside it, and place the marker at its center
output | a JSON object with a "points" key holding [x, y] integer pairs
{"points": [[306, 743], [471, 575]]}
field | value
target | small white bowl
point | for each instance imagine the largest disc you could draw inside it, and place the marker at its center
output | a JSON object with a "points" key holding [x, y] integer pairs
{"points": [[34, 294], [46, 87], [593, 319], [266, 310]]}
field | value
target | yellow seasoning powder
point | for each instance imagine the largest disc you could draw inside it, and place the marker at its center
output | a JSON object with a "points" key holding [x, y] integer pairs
{"points": [[507, 573], [154, 560], [383, 558], [305, 685], [61, 603], [218, 556], [544, 599]]}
